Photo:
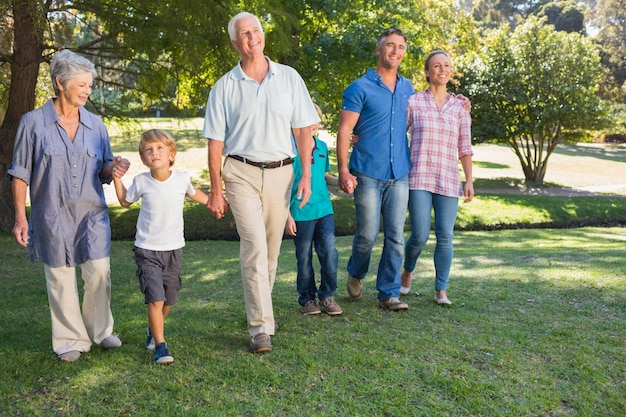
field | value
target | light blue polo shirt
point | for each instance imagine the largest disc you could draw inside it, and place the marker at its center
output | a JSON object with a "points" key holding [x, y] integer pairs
{"points": [[382, 151], [255, 120]]}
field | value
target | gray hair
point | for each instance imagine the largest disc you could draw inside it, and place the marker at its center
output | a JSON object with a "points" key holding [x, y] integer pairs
{"points": [[66, 65], [242, 15]]}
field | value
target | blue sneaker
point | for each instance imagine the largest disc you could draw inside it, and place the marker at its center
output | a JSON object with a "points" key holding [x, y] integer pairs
{"points": [[162, 355], [150, 340]]}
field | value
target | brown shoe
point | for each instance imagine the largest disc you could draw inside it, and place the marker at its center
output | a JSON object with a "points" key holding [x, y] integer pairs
{"points": [[310, 308], [354, 287], [260, 343], [393, 304], [330, 307]]}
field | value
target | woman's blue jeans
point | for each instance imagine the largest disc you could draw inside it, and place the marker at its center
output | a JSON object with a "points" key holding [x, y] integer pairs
{"points": [[373, 197], [421, 203], [321, 234]]}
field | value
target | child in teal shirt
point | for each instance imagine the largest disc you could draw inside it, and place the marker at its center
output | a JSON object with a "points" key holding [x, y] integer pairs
{"points": [[313, 225]]}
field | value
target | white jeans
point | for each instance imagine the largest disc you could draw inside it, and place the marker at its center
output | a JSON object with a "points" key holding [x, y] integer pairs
{"points": [[71, 329], [259, 200]]}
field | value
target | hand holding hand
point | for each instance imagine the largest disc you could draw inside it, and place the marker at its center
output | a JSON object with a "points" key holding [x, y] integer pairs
{"points": [[120, 166]]}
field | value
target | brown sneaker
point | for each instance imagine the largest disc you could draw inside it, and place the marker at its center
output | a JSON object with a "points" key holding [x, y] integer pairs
{"points": [[393, 304], [260, 343], [310, 308], [354, 287], [330, 307]]}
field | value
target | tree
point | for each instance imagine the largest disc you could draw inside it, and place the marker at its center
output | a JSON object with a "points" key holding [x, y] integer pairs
{"points": [[533, 89], [170, 53], [565, 15], [608, 17], [142, 47], [336, 41]]}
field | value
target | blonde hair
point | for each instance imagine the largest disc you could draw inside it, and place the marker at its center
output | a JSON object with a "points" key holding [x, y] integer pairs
{"points": [[319, 111], [157, 135]]}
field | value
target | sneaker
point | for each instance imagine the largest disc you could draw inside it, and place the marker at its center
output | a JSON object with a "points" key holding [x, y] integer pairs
{"points": [[310, 308], [260, 343], [330, 307], [70, 356], [161, 354], [150, 340], [111, 342], [393, 304], [354, 287]]}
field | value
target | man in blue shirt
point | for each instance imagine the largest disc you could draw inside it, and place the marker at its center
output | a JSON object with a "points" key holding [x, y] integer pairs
{"points": [[374, 109]]}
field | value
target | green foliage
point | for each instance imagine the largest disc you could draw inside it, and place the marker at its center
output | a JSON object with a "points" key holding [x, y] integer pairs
{"points": [[337, 41], [533, 89], [564, 15], [608, 17]]}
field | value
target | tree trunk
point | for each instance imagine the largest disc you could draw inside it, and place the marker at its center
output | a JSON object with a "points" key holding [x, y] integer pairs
{"points": [[27, 55]]}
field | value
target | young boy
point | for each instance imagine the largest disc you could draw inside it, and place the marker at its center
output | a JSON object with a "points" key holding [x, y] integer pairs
{"points": [[159, 239], [311, 225]]}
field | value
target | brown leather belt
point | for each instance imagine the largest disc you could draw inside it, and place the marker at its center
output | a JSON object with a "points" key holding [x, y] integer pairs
{"points": [[263, 165]]}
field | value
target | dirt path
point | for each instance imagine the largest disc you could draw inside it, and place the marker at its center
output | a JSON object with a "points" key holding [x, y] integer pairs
{"points": [[583, 170]]}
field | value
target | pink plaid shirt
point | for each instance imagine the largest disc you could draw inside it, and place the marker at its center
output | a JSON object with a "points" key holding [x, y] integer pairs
{"points": [[438, 139]]}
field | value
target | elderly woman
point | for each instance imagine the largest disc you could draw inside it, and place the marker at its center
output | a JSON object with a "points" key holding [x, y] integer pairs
{"points": [[440, 127], [63, 153]]}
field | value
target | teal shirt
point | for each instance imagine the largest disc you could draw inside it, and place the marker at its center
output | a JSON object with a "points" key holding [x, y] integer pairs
{"points": [[319, 204]]}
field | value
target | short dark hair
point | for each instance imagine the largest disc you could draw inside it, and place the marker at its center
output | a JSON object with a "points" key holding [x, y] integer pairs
{"points": [[389, 32]]}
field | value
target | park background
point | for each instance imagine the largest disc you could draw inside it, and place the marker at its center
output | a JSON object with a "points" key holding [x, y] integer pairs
{"points": [[537, 327]]}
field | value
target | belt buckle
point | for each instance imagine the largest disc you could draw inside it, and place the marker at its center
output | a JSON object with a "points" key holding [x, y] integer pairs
{"points": [[262, 165]]}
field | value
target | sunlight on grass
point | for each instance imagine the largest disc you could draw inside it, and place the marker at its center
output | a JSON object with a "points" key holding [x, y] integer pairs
{"points": [[536, 328]]}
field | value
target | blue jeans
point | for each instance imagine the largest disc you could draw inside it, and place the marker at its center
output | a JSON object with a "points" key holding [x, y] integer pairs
{"points": [[321, 233], [421, 203], [372, 198]]}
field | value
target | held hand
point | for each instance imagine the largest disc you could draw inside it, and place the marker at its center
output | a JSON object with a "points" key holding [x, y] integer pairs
{"points": [[347, 182], [217, 204], [467, 104], [120, 166], [20, 232]]}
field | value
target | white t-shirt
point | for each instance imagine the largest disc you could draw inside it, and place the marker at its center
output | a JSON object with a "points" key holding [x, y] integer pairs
{"points": [[160, 222]]}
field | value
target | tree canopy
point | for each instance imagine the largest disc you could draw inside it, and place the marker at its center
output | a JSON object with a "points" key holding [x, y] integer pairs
{"points": [[530, 95], [167, 55]]}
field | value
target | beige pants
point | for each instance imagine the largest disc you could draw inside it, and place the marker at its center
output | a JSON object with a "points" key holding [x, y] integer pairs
{"points": [[259, 200], [71, 329]]}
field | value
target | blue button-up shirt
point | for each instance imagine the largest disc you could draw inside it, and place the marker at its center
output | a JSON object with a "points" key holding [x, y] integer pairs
{"points": [[382, 151], [69, 221]]}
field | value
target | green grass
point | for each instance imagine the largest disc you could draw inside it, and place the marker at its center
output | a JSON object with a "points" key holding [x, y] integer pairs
{"points": [[486, 212], [537, 328]]}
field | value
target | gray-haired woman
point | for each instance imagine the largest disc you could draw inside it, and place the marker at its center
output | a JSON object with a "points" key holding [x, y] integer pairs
{"points": [[62, 153]]}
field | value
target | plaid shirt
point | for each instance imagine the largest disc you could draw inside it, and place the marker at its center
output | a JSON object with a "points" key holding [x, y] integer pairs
{"points": [[439, 137]]}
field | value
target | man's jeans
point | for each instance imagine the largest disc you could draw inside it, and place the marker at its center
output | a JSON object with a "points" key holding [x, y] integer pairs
{"points": [[321, 234], [421, 203], [372, 198]]}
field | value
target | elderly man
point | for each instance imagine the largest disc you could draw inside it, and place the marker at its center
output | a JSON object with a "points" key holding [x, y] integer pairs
{"points": [[251, 115]]}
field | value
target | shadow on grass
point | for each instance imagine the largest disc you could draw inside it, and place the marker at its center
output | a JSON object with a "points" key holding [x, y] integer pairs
{"points": [[607, 152], [537, 322]]}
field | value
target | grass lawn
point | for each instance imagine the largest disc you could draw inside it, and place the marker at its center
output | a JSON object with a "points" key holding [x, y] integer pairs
{"points": [[537, 328]]}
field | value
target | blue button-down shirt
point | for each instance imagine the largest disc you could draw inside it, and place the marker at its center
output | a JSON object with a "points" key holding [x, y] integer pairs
{"points": [[69, 221], [382, 151]]}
